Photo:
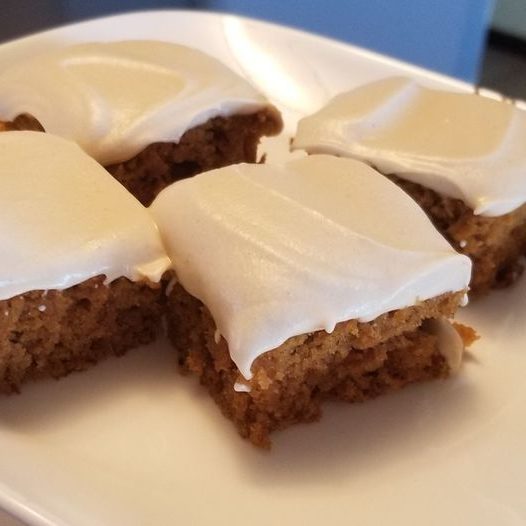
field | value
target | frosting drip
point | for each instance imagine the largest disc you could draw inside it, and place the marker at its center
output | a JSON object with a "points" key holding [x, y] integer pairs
{"points": [[450, 343], [462, 145], [278, 251], [64, 219], [114, 99]]}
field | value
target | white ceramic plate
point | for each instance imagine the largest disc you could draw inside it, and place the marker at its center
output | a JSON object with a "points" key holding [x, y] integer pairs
{"points": [[132, 443]]}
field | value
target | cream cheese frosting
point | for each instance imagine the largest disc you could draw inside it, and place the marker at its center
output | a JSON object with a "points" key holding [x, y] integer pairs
{"points": [[450, 344], [462, 145], [64, 219], [278, 251], [114, 99]]}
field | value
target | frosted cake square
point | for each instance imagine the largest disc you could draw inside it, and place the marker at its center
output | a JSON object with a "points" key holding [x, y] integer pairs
{"points": [[314, 279], [459, 155], [80, 276], [150, 112]]}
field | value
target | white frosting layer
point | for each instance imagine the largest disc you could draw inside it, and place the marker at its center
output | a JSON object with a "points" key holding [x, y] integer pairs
{"points": [[278, 251], [461, 145], [64, 219], [450, 343], [114, 99]]}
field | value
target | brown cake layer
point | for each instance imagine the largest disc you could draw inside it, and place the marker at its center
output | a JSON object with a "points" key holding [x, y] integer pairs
{"points": [[356, 362], [221, 141], [496, 245], [53, 333]]}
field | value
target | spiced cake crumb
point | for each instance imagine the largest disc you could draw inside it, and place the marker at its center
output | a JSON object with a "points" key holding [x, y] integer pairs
{"points": [[217, 143], [496, 245], [53, 333], [354, 363]]}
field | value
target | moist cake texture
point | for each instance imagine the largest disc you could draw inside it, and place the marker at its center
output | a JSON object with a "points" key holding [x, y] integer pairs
{"points": [[299, 304], [354, 363], [496, 245], [82, 261], [152, 112], [51, 333], [219, 142], [460, 155]]}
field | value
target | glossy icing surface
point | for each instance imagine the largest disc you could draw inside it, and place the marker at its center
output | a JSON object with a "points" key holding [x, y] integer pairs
{"points": [[114, 99], [465, 146], [64, 219], [278, 251]]}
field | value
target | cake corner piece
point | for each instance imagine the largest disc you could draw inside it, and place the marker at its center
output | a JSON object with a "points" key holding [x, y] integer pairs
{"points": [[81, 281]]}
